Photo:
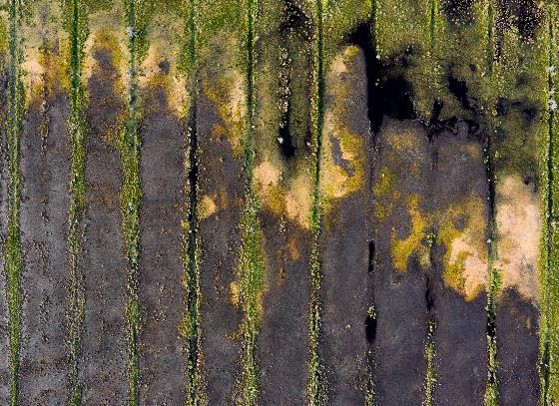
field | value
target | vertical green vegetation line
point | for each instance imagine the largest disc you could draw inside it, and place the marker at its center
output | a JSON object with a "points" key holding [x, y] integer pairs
{"points": [[12, 254], [548, 335], [251, 261], [130, 202], [191, 321], [77, 128], [316, 390], [430, 376], [491, 390]]}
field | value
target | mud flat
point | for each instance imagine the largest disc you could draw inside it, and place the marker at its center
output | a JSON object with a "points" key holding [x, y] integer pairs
{"points": [[220, 178], [160, 293], [104, 354], [460, 317], [45, 164], [400, 283], [347, 232]]}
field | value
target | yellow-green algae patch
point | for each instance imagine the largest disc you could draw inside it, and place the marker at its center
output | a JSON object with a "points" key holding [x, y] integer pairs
{"points": [[462, 232], [416, 241], [107, 41], [342, 166], [287, 189], [46, 53], [107, 35], [165, 46], [227, 91]]}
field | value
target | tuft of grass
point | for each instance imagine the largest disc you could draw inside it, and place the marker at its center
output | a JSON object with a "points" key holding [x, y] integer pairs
{"points": [[12, 251]]}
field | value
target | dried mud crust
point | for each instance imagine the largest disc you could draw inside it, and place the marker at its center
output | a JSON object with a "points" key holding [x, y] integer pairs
{"points": [[104, 349], [45, 164], [220, 178], [160, 292]]}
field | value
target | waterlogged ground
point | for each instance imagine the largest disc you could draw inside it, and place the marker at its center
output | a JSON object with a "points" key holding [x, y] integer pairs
{"points": [[279, 202]]}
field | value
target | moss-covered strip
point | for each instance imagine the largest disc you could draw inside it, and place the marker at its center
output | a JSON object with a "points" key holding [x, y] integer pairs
{"points": [[131, 194], [434, 21], [12, 254], [548, 329], [316, 390], [491, 390], [251, 265], [77, 26], [191, 322]]}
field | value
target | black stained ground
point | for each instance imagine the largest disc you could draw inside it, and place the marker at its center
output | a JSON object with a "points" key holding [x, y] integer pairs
{"points": [[282, 349]]}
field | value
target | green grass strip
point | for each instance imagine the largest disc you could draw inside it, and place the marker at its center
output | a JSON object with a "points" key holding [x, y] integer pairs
{"points": [[130, 198], [77, 130], [251, 261], [316, 386], [549, 334], [190, 326], [13, 255]]}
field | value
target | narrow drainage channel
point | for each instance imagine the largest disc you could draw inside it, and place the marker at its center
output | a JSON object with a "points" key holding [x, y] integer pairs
{"points": [[316, 385], [191, 320]]}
